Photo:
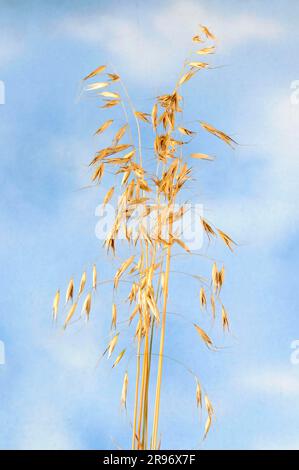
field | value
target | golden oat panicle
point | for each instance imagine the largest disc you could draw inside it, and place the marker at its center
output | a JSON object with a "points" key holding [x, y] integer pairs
{"points": [[150, 157]]}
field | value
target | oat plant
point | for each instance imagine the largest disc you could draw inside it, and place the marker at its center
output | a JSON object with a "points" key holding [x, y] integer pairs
{"points": [[149, 190]]}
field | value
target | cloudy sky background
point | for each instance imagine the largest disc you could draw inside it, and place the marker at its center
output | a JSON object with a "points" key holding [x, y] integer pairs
{"points": [[51, 393]]}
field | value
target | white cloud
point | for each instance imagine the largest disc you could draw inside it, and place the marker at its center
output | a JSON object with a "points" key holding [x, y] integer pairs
{"points": [[10, 46], [243, 28], [291, 443], [270, 213], [154, 46], [46, 429], [271, 381]]}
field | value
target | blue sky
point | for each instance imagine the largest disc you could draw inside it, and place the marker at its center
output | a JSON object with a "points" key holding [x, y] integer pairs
{"points": [[52, 396]]}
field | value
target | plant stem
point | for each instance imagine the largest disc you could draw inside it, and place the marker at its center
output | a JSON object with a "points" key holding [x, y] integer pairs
{"points": [[162, 339], [136, 392]]}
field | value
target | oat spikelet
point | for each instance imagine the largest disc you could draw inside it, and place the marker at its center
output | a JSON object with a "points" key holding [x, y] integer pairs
{"points": [[70, 314], [207, 32], [120, 133], [207, 426], [207, 340], [87, 305], [114, 316], [215, 282], [56, 305], [95, 72], [225, 321], [108, 196], [185, 131], [109, 94], [113, 77], [112, 344], [124, 391], [182, 244], [104, 126], [142, 116], [202, 156], [206, 50], [186, 77], [122, 269], [119, 358], [197, 38], [227, 240], [198, 394], [82, 283], [154, 116], [209, 406], [94, 277], [210, 412], [221, 135], [203, 299], [98, 173], [213, 306], [70, 291], [110, 104], [207, 228], [96, 86], [221, 276], [199, 65]]}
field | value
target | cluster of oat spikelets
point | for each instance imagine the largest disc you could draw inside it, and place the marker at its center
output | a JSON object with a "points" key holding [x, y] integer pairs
{"points": [[148, 268]]}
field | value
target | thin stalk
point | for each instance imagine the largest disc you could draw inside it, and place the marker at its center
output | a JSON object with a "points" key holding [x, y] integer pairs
{"points": [[162, 340], [145, 398], [142, 395], [147, 364], [136, 391]]}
